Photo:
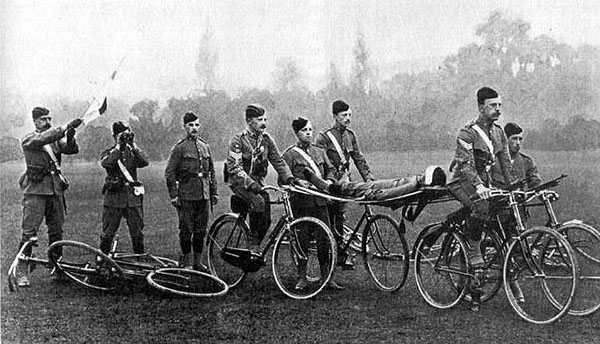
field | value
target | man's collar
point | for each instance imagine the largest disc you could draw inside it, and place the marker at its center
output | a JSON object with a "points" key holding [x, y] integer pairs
{"points": [[339, 127], [303, 145], [253, 134]]}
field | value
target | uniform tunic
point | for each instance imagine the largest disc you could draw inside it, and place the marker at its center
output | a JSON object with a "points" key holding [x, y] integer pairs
{"points": [[43, 191], [247, 162], [350, 149], [190, 176], [523, 167], [119, 199]]}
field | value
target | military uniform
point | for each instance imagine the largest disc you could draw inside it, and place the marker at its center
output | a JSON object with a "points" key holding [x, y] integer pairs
{"points": [[350, 149], [190, 177], [523, 167], [472, 164], [43, 190], [247, 162], [119, 198]]}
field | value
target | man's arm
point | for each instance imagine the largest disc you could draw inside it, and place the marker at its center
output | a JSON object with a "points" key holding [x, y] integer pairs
{"points": [[171, 171], [69, 146], [140, 157], [109, 158], [321, 141], [532, 172], [235, 167], [464, 160], [277, 162], [360, 161], [38, 140], [213, 176]]}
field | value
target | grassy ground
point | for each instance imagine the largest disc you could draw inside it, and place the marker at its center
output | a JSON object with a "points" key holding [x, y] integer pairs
{"points": [[62, 312]]}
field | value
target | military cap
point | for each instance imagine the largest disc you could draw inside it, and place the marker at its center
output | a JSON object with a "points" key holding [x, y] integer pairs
{"points": [[254, 110], [299, 123], [119, 127], [485, 93], [38, 112], [189, 117], [339, 106], [511, 129]]}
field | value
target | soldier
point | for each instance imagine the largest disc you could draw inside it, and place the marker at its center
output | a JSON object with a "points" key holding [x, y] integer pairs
{"points": [[480, 145], [190, 176], [250, 153], [301, 157], [340, 144], [523, 166], [43, 183], [123, 192]]}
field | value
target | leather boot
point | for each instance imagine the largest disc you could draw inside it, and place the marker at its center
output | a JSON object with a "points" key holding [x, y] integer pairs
{"points": [[302, 281], [198, 266], [332, 284]]}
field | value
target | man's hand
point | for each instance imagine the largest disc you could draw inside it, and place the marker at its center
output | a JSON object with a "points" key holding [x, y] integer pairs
{"points": [[70, 134], [74, 123], [255, 187], [303, 183], [214, 199], [482, 191], [175, 202]]}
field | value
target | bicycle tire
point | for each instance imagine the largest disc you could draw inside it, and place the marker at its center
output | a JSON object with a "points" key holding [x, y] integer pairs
{"points": [[441, 267], [548, 290], [385, 253], [226, 231], [284, 262], [185, 282], [585, 241], [86, 265], [16, 266]]}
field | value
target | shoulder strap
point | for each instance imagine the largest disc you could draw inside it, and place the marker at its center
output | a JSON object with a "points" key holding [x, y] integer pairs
{"points": [[54, 163], [309, 160], [485, 138], [337, 147], [125, 172]]}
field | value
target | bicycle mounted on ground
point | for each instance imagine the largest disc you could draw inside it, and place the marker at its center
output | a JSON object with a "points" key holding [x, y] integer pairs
{"points": [[230, 259], [521, 256]]}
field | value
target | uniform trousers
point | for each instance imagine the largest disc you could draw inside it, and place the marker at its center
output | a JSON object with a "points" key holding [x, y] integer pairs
{"points": [[193, 221], [111, 218], [38, 207]]}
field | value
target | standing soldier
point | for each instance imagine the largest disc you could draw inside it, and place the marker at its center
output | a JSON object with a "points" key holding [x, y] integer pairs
{"points": [[123, 192], [340, 144], [250, 153], [43, 183], [523, 166], [480, 145], [301, 157], [190, 176]]}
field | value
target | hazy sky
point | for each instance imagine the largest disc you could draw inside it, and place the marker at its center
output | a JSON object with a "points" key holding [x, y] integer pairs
{"points": [[64, 47]]}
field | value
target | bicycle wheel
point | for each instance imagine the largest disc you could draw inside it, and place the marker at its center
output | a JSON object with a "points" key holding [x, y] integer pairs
{"points": [[441, 269], [86, 265], [226, 232], [585, 241], [322, 257], [186, 282], [542, 264], [20, 265], [385, 253]]}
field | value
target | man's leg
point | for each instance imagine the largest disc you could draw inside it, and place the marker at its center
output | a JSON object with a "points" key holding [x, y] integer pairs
{"points": [[186, 225], [259, 215], [111, 218], [135, 221], [55, 218], [33, 215], [200, 225]]}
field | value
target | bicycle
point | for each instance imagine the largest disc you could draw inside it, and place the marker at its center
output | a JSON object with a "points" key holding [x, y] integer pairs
{"points": [[230, 259], [444, 275], [90, 267], [585, 241]]}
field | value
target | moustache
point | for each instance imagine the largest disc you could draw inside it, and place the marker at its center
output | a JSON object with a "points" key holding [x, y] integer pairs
{"points": [[263, 127]]}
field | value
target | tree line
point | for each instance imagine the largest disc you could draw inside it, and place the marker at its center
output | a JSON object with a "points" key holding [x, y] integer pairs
{"points": [[550, 88]]}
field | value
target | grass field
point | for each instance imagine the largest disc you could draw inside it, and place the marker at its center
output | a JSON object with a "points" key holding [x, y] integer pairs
{"points": [[62, 312]]}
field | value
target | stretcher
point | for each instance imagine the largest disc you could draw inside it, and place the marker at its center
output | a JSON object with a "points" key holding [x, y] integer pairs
{"points": [[412, 203]]}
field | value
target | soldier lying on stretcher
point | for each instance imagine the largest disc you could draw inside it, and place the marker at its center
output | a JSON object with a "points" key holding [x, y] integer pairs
{"points": [[383, 189], [313, 164]]}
